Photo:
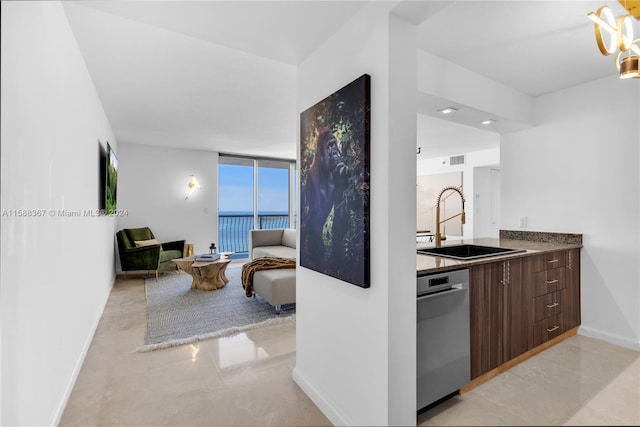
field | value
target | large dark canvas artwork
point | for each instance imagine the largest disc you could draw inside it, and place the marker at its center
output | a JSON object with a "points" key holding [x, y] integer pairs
{"points": [[334, 184]]}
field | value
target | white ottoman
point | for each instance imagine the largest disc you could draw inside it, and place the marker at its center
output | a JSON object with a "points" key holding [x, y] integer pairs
{"points": [[277, 286]]}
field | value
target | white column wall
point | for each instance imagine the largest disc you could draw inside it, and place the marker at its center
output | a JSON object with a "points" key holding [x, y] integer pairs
{"points": [[577, 172], [356, 347], [152, 188], [401, 154], [57, 271]]}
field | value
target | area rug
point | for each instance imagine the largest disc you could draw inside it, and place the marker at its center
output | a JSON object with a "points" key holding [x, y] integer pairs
{"points": [[177, 314]]}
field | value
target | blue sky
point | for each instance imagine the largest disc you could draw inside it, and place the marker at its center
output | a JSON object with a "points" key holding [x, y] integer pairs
{"points": [[236, 189]]}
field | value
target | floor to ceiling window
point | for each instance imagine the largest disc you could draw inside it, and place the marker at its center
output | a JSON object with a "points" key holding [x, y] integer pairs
{"points": [[253, 193]]}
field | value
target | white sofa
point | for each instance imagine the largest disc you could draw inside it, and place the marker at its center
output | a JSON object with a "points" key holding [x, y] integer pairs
{"points": [[279, 242], [277, 286]]}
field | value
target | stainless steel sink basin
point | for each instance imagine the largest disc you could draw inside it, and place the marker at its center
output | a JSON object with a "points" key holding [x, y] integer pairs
{"points": [[467, 252]]}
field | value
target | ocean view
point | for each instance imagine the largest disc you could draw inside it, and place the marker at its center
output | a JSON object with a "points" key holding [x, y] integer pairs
{"points": [[234, 226]]}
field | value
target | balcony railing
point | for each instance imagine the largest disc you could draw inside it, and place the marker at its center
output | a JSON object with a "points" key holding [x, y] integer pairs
{"points": [[233, 230]]}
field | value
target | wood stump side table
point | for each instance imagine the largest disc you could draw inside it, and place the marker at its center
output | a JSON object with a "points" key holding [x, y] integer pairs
{"points": [[207, 275]]}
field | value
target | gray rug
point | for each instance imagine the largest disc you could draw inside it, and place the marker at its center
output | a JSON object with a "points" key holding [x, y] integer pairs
{"points": [[177, 314]]}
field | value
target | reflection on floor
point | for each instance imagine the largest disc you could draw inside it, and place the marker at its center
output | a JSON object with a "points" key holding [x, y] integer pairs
{"points": [[245, 379], [580, 381]]}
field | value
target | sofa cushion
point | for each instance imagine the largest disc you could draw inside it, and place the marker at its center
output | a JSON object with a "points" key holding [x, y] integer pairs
{"points": [[277, 251], [277, 286], [266, 237], [289, 237]]}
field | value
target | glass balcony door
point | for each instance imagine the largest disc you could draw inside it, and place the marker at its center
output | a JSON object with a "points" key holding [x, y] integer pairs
{"points": [[273, 194], [253, 193], [235, 203]]}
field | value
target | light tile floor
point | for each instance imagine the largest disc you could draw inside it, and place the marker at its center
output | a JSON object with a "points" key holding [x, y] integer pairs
{"points": [[245, 379], [580, 381]]}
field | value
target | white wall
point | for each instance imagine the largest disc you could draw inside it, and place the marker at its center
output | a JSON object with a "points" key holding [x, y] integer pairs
{"points": [[577, 171], [486, 201], [57, 271], [152, 188], [356, 347], [473, 159]]}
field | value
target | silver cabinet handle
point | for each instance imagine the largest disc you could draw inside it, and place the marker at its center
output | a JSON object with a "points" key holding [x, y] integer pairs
{"points": [[551, 282], [555, 304], [553, 329]]}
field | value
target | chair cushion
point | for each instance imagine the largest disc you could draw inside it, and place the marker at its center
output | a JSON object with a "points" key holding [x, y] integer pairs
{"points": [[142, 243], [169, 255], [143, 233]]}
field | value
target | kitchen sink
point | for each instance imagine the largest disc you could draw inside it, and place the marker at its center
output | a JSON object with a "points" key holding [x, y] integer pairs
{"points": [[466, 252]]}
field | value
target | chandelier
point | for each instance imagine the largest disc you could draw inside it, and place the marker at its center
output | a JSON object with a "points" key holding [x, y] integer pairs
{"points": [[617, 34]]}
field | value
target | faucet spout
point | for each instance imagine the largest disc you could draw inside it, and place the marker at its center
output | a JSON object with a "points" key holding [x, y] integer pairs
{"points": [[461, 214]]}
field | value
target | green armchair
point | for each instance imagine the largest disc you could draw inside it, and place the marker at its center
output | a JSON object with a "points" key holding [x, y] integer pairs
{"points": [[147, 254]]}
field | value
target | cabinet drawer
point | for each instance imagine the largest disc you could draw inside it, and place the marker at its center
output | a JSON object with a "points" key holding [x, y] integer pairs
{"points": [[549, 328], [549, 281], [555, 259], [549, 304], [549, 260]]}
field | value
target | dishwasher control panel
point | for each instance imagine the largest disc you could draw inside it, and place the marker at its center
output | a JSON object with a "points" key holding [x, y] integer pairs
{"points": [[441, 281]]}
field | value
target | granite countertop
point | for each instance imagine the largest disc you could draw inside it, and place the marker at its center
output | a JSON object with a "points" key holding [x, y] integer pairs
{"points": [[532, 242]]}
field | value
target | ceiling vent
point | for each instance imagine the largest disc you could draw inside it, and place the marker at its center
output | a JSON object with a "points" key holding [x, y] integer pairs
{"points": [[456, 160]]}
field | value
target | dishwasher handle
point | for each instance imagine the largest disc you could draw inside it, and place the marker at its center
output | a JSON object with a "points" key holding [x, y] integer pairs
{"points": [[454, 289]]}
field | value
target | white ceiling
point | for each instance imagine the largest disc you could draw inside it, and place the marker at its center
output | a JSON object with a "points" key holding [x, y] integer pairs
{"points": [[535, 47], [221, 75]]}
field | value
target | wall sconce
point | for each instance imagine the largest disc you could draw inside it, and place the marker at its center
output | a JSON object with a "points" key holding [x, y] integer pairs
{"points": [[193, 184], [613, 34]]}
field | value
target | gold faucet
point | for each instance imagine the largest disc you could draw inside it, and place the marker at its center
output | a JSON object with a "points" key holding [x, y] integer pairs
{"points": [[438, 222]]}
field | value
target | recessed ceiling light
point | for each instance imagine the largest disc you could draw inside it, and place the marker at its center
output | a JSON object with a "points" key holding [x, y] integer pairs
{"points": [[487, 122], [447, 110]]}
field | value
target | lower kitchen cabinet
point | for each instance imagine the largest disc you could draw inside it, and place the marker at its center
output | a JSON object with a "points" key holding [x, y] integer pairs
{"points": [[485, 317], [552, 281], [517, 313], [573, 289], [519, 304], [499, 318]]}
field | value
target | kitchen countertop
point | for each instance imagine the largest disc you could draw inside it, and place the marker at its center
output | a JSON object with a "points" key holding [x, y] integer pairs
{"points": [[531, 242]]}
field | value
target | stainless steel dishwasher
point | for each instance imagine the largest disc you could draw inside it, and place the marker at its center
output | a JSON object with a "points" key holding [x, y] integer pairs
{"points": [[443, 364]]}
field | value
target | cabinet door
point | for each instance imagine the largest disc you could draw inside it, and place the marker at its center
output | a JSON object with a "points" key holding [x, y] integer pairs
{"points": [[486, 293], [572, 303], [516, 311], [531, 279]]}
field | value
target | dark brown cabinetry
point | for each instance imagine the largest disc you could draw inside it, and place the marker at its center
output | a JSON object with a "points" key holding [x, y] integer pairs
{"points": [[548, 276], [519, 304], [573, 288], [498, 321], [485, 317]]}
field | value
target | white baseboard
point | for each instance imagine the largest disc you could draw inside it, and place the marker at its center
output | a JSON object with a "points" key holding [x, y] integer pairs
{"points": [[321, 401], [57, 415], [610, 338]]}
